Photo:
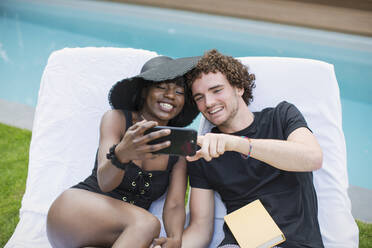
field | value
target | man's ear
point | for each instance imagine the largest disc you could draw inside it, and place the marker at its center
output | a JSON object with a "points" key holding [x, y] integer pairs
{"points": [[239, 91]]}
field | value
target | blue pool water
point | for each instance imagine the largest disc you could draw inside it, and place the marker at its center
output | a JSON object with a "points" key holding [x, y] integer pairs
{"points": [[31, 30]]}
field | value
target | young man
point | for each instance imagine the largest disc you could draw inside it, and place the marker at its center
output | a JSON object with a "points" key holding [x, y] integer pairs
{"points": [[267, 155]]}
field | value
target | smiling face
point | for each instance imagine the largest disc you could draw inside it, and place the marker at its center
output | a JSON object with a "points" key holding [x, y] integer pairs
{"points": [[163, 102], [217, 99]]}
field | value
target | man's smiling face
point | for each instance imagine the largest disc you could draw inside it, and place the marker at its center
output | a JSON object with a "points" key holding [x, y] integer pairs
{"points": [[216, 98]]}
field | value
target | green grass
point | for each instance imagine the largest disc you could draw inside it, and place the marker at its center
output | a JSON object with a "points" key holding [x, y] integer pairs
{"points": [[365, 234], [14, 148]]}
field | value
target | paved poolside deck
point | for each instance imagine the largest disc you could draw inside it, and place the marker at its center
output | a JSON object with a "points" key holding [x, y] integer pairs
{"points": [[22, 116], [15, 114], [345, 16]]}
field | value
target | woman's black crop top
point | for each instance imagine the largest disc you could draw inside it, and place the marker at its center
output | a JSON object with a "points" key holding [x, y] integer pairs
{"points": [[138, 187]]}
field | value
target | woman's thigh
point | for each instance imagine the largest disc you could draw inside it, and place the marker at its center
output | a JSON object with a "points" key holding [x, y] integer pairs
{"points": [[80, 218]]}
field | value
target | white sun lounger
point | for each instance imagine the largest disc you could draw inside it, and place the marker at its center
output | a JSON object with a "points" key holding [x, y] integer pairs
{"points": [[73, 97]]}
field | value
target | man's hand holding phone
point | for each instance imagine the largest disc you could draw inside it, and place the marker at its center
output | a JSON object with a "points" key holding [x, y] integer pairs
{"points": [[213, 145]]}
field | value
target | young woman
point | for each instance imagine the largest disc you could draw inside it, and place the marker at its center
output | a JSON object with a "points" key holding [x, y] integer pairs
{"points": [[109, 208]]}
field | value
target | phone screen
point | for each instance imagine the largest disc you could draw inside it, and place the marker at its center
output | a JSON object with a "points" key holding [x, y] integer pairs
{"points": [[183, 140]]}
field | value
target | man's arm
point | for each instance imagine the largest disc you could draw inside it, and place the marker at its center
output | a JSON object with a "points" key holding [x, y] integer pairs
{"points": [[200, 229], [300, 152]]}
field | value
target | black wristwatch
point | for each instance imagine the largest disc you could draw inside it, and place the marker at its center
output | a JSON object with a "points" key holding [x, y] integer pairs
{"points": [[114, 160]]}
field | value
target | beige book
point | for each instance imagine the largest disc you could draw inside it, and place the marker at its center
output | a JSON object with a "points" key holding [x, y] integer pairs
{"points": [[252, 226]]}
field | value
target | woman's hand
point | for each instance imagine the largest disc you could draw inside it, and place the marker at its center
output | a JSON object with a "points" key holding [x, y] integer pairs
{"points": [[163, 242], [134, 145]]}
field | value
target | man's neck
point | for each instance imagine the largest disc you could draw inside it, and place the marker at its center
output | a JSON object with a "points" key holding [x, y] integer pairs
{"points": [[242, 119]]}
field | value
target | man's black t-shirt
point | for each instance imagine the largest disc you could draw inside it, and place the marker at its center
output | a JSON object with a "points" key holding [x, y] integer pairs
{"points": [[289, 197]]}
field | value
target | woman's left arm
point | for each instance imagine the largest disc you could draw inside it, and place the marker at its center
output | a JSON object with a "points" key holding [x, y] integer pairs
{"points": [[174, 206]]}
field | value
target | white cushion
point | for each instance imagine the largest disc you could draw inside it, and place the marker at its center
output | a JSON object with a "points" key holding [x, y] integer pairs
{"points": [[312, 86], [72, 99]]}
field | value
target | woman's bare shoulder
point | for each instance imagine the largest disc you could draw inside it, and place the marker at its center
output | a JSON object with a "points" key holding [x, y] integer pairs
{"points": [[114, 119]]}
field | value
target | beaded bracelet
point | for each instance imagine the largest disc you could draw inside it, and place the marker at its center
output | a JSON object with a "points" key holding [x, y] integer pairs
{"points": [[250, 148], [114, 160]]}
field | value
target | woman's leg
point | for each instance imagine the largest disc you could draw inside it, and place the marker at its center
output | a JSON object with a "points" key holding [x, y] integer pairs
{"points": [[79, 218]]}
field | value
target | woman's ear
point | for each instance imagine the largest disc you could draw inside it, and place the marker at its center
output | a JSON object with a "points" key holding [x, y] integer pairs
{"points": [[144, 92], [142, 98]]}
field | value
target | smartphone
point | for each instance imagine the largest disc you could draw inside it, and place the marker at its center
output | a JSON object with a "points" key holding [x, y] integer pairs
{"points": [[183, 140]]}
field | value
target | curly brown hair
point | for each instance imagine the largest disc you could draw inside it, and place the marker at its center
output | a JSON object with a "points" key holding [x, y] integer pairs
{"points": [[236, 73]]}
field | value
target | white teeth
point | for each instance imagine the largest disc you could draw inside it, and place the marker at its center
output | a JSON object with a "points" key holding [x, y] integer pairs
{"points": [[166, 106], [215, 110]]}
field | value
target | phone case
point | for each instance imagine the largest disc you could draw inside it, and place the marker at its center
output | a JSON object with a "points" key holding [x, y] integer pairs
{"points": [[183, 140]]}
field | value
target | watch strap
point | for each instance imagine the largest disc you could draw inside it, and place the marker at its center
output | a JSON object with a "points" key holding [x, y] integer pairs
{"points": [[114, 160]]}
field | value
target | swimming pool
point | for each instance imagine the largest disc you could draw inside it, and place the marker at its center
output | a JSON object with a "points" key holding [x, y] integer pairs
{"points": [[31, 30]]}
